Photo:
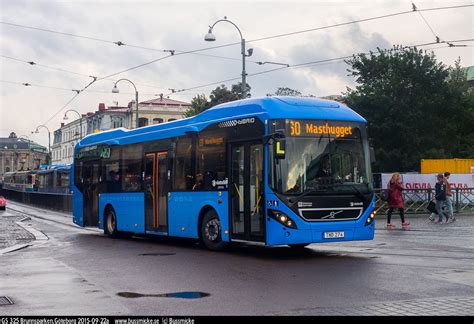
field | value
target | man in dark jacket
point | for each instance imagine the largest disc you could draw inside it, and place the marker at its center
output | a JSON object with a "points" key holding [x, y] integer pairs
{"points": [[440, 196]]}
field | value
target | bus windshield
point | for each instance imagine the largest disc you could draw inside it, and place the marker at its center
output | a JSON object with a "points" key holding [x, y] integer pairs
{"points": [[322, 158]]}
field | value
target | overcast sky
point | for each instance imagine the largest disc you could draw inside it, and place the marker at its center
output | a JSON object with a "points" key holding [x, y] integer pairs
{"points": [[161, 26]]}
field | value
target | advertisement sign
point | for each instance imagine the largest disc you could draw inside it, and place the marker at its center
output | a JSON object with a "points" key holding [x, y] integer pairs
{"points": [[427, 181], [414, 181]]}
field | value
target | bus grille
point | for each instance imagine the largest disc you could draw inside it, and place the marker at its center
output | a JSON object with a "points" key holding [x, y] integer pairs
{"points": [[329, 214]]}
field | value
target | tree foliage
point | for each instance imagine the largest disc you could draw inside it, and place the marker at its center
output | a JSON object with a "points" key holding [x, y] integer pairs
{"points": [[284, 91], [416, 107], [199, 103], [219, 95]]}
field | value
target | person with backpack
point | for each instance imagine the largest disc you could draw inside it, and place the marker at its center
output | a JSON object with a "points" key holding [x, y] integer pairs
{"points": [[395, 200], [440, 197]]}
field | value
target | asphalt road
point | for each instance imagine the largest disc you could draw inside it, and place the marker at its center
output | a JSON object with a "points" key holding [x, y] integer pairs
{"points": [[428, 270]]}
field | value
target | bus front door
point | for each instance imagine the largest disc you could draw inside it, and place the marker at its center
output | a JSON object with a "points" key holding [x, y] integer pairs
{"points": [[156, 192], [246, 194], [90, 178]]}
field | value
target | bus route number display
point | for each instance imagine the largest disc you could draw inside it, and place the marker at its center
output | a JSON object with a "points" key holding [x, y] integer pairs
{"points": [[317, 128]]}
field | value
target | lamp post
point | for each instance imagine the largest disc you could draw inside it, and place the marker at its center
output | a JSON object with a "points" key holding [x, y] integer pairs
{"points": [[210, 38], [80, 119], [49, 139], [116, 90]]}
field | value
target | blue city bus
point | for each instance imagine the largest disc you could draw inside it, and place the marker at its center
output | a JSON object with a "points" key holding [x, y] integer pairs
{"points": [[54, 179], [272, 171]]}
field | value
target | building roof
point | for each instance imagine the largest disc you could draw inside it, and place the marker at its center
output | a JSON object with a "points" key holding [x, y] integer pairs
{"points": [[15, 143], [165, 102]]}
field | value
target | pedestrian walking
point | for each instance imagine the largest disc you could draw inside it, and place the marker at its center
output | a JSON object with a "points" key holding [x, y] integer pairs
{"points": [[449, 198], [395, 200], [440, 197]]}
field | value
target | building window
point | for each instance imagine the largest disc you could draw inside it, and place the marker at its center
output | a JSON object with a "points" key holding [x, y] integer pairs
{"points": [[171, 119], [117, 123], [142, 122], [157, 120]]}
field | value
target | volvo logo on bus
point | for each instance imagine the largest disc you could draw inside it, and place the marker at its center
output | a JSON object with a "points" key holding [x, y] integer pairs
{"points": [[331, 215], [236, 122]]}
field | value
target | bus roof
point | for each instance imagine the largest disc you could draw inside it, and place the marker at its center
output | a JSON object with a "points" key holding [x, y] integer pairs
{"points": [[263, 108]]}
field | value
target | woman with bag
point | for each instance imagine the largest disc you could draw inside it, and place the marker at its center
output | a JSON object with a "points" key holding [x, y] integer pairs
{"points": [[395, 200]]}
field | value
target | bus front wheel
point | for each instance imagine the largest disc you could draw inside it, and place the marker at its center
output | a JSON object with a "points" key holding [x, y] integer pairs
{"points": [[110, 223], [211, 231]]}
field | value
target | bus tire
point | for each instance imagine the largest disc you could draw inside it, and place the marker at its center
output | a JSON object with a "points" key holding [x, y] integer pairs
{"points": [[110, 226], [211, 231], [298, 246]]}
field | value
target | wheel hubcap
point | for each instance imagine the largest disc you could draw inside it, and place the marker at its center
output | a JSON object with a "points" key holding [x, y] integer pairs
{"points": [[212, 230], [111, 223]]}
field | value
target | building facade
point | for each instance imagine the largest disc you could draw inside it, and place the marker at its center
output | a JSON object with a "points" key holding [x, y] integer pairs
{"points": [[149, 112], [19, 154]]}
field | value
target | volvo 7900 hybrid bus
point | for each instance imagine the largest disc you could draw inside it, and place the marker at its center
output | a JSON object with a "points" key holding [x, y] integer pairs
{"points": [[274, 171]]}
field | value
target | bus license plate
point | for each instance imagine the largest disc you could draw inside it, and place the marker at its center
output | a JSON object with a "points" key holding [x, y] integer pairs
{"points": [[330, 235]]}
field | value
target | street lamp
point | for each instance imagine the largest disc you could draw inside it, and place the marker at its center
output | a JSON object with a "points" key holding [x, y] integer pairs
{"points": [[116, 90], [210, 37], [80, 119], [49, 139]]}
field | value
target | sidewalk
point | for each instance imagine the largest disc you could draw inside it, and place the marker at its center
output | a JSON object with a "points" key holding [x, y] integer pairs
{"points": [[10, 233], [421, 222]]}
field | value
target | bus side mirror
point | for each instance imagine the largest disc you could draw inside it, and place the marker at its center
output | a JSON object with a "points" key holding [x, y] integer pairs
{"points": [[372, 155], [279, 148]]}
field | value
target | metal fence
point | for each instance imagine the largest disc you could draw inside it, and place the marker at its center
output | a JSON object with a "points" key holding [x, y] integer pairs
{"points": [[54, 201], [416, 200]]}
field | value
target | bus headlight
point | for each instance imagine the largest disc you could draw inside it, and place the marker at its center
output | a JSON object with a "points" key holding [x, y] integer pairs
{"points": [[282, 218], [371, 218]]}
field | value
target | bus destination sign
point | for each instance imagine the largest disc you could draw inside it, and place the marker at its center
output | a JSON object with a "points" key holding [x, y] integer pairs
{"points": [[317, 128]]}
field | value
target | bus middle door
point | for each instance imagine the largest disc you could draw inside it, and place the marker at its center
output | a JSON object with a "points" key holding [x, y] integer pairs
{"points": [[246, 191], [156, 192]]}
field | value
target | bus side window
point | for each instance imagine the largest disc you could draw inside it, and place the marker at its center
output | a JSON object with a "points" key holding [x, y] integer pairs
{"points": [[132, 167], [183, 172], [211, 161]]}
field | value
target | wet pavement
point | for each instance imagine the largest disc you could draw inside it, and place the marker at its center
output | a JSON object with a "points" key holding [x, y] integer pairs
{"points": [[427, 270], [10, 232]]}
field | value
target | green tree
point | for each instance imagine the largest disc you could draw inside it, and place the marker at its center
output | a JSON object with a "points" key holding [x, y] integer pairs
{"points": [[461, 129], [285, 91], [219, 95], [411, 106], [198, 105]]}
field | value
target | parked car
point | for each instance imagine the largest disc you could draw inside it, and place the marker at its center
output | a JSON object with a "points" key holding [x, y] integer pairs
{"points": [[3, 203]]}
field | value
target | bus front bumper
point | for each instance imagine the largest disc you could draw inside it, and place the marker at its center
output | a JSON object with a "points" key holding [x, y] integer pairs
{"points": [[319, 233]]}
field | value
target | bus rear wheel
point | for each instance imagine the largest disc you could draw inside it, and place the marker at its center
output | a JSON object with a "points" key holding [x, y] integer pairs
{"points": [[211, 232], [110, 227]]}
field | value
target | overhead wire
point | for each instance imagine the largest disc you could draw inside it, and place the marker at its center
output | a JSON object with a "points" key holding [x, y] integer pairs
{"points": [[318, 62], [299, 65], [172, 52]]}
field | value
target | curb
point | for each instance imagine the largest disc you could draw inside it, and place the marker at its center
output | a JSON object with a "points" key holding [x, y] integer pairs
{"points": [[39, 236]]}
